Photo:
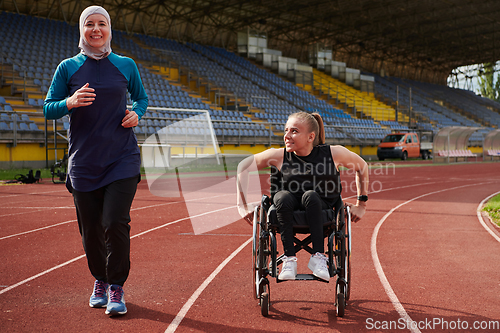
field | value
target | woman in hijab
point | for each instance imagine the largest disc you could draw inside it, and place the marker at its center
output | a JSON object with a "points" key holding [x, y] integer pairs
{"points": [[104, 158]]}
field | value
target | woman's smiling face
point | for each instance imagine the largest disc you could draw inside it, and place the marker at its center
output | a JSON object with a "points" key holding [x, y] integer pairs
{"points": [[96, 30], [297, 137]]}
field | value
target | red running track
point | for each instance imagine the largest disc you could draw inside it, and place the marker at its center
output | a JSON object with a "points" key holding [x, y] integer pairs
{"points": [[439, 266]]}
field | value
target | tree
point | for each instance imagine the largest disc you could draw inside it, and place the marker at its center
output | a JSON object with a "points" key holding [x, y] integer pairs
{"points": [[487, 85]]}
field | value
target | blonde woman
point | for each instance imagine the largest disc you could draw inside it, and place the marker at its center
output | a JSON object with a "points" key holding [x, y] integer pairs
{"points": [[311, 182]]}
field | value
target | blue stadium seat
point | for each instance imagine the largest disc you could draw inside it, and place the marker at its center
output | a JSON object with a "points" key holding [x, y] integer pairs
{"points": [[23, 127], [33, 127]]}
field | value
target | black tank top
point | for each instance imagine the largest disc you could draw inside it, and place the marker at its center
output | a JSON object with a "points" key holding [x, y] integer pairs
{"points": [[316, 172]]}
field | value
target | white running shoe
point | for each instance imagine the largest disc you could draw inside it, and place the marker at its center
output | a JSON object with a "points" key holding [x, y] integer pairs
{"points": [[317, 264], [289, 269]]}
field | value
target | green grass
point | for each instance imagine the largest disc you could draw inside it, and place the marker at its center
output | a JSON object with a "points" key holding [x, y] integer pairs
{"points": [[10, 174], [493, 208]]}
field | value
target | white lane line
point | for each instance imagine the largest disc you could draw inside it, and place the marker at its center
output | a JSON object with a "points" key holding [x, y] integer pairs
{"points": [[184, 310], [38, 209], [231, 235], [182, 313], [378, 267], [34, 193], [21, 213], [40, 274], [169, 203], [33, 207], [71, 221], [221, 266], [183, 219], [83, 256], [480, 216], [35, 230]]}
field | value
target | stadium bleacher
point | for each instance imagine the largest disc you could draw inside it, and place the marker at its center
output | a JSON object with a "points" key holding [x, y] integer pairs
{"points": [[427, 100], [253, 102]]}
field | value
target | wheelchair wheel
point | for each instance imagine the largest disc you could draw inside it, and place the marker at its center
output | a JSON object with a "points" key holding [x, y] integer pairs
{"points": [[348, 253], [265, 301], [273, 270], [255, 256], [341, 260], [348, 279], [340, 302], [261, 252]]}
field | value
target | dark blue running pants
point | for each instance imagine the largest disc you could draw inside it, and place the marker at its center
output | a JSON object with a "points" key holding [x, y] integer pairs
{"points": [[103, 219]]}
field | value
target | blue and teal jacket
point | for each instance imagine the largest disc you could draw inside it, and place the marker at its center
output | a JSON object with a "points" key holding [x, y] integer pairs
{"points": [[101, 150]]}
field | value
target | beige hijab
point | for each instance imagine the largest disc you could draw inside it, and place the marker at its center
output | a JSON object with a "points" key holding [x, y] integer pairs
{"points": [[89, 51]]}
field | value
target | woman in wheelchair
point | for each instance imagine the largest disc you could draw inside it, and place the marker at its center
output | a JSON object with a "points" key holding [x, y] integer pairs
{"points": [[310, 181]]}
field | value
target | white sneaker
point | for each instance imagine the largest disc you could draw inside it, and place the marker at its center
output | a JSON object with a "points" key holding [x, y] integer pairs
{"points": [[289, 269], [317, 264]]}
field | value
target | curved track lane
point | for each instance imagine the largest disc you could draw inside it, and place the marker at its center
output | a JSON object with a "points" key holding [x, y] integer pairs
{"points": [[437, 257]]}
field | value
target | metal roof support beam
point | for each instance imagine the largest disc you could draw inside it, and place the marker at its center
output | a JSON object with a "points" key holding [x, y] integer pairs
{"points": [[136, 13], [62, 11], [51, 9], [15, 5], [75, 11]]}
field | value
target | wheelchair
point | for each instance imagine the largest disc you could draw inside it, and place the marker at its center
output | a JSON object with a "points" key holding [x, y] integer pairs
{"points": [[265, 259], [59, 170]]}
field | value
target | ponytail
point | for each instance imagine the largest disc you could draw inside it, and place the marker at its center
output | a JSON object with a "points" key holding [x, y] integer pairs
{"points": [[320, 135]]}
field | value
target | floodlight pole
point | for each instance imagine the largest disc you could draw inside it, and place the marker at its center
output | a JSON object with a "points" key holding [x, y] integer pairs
{"points": [[409, 117], [448, 149], [397, 102]]}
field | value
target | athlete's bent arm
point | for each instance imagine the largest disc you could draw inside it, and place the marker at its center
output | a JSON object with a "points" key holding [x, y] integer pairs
{"points": [[267, 158], [344, 157]]}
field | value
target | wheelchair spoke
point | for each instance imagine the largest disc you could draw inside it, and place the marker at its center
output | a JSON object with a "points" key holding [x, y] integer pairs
{"points": [[255, 255]]}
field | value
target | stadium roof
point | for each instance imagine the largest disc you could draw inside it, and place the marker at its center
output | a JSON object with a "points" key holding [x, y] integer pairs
{"points": [[419, 39]]}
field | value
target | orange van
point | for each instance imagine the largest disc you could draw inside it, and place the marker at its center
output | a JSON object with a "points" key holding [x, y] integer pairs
{"points": [[402, 145]]}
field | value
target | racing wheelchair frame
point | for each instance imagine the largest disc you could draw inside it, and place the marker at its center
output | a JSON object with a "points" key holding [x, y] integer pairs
{"points": [[336, 227]]}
